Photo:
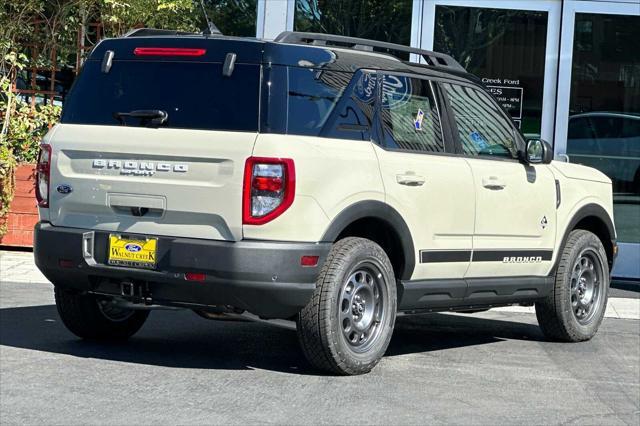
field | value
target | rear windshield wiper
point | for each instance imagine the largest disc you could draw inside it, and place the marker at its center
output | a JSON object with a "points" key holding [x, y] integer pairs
{"points": [[155, 116]]}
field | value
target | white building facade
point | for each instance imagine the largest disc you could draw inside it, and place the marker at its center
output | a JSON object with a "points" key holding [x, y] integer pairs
{"points": [[566, 70]]}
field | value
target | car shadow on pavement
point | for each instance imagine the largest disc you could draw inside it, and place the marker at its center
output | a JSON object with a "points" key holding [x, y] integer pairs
{"points": [[180, 339], [434, 332]]}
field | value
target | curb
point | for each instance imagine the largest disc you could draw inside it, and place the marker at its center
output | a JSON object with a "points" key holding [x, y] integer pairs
{"points": [[617, 307]]}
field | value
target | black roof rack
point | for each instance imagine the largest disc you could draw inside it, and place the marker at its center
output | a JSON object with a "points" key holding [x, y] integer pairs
{"points": [[316, 39], [147, 32]]}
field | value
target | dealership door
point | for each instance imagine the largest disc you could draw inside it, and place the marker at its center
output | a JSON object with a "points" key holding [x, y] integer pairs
{"points": [[598, 109], [511, 45]]}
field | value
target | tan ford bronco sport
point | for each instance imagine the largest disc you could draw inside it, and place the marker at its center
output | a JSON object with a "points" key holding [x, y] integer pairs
{"points": [[315, 178]]}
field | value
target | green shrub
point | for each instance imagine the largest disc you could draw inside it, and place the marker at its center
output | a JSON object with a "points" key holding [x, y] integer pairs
{"points": [[7, 167], [27, 127]]}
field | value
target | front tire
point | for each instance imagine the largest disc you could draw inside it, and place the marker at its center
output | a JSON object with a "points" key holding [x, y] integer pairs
{"points": [[575, 308], [346, 327], [97, 319]]}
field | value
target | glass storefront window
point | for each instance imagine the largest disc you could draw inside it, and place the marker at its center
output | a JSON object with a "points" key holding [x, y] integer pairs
{"points": [[383, 20], [604, 110], [504, 47]]}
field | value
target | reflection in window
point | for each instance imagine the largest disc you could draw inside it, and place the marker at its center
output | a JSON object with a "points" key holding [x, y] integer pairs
{"points": [[313, 95], [410, 116], [353, 116], [604, 122], [482, 128], [384, 20], [325, 103], [506, 48]]}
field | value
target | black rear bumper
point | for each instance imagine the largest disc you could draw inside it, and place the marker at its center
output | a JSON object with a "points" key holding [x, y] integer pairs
{"points": [[261, 277]]}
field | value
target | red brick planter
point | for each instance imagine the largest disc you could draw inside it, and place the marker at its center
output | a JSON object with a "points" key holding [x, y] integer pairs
{"points": [[23, 212]]}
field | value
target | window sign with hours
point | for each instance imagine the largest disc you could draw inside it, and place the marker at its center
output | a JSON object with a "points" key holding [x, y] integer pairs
{"points": [[509, 94]]}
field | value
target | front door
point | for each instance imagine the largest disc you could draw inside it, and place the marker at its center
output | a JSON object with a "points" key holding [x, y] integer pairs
{"points": [[432, 190], [515, 203]]}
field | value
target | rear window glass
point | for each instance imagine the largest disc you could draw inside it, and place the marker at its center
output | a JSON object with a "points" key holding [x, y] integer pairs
{"points": [[195, 95]]}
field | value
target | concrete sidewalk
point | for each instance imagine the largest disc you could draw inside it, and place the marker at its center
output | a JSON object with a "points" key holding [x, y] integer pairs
{"points": [[18, 267]]}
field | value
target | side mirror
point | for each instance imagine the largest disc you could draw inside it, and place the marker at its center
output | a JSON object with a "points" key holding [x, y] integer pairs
{"points": [[538, 152]]}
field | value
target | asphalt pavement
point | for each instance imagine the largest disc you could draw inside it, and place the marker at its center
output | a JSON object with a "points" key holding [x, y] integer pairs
{"points": [[487, 368]]}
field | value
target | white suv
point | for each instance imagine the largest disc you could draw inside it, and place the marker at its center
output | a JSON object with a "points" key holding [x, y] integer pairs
{"points": [[313, 178]]}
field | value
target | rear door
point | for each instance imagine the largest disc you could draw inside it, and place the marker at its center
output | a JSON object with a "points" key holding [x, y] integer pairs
{"points": [[177, 177], [432, 190], [515, 203]]}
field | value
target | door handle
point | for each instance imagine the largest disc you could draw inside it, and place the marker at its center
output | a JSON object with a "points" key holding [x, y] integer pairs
{"points": [[493, 182], [410, 180]]}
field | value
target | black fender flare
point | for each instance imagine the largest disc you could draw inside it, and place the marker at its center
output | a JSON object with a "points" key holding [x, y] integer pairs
{"points": [[590, 210], [380, 211]]}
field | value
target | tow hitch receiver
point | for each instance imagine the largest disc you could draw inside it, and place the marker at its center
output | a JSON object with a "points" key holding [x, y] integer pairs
{"points": [[127, 289], [136, 292]]}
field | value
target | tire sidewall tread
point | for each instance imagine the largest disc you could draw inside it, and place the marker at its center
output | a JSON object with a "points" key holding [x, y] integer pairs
{"points": [[555, 314], [81, 315], [319, 331]]}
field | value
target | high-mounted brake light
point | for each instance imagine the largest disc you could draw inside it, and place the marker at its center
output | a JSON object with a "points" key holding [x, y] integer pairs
{"points": [[43, 174], [168, 51], [269, 189]]}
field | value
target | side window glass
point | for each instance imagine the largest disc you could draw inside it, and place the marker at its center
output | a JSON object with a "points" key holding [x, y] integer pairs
{"points": [[352, 117], [482, 128], [631, 128], [617, 135], [607, 127], [580, 137], [580, 128], [318, 102], [410, 118], [312, 98]]}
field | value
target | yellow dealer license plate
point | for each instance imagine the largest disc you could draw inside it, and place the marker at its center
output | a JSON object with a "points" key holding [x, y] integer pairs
{"points": [[136, 253]]}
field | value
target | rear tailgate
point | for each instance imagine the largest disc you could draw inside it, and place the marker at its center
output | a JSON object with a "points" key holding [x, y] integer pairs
{"points": [[183, 183], [179, 176]]}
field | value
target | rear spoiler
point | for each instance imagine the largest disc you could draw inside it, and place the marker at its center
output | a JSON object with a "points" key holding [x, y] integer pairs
{"points": [[185, 48]]}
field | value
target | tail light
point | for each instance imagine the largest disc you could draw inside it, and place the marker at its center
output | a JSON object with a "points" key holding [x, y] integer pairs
{"points": [[195, 276], [43, 172], [269, 189]]}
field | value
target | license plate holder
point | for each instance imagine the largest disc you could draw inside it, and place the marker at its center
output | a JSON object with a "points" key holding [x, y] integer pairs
{"points": [[134, 252]]}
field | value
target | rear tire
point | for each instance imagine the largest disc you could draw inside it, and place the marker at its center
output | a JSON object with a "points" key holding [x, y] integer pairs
{"points": [[86, 317], [346, 327], [575, 308]]}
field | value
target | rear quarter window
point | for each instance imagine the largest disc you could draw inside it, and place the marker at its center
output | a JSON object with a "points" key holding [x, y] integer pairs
{"points": [[195, 95], [319, 102]]}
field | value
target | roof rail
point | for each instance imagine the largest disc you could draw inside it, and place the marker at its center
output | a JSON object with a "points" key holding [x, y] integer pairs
{"points": [[316, 39], [146, 32]]}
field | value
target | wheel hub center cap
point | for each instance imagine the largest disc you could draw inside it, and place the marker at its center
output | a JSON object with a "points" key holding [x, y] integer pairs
{"points": [[582, 285], [358, 308]]}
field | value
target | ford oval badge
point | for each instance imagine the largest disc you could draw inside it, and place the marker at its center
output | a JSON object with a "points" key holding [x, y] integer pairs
{"points": [[133, 247], [64, 189]]}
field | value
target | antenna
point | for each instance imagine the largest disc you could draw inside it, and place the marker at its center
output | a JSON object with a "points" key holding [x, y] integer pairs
{"points": [[211, 28]]}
